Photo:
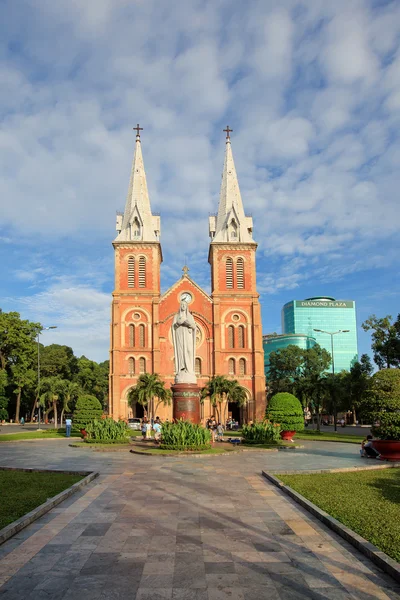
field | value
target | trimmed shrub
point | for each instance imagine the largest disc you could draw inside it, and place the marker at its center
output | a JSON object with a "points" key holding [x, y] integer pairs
{"points": [[285, 409], [107, 431], [185, 435], [384, 401], [263, 432], [87, 409]]}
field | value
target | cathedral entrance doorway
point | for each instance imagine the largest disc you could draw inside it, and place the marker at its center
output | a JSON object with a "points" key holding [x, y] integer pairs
{"points": [[235, 412], [137, 411]]}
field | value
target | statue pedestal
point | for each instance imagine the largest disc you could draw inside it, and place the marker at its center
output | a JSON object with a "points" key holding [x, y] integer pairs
{"points": [[186, 402]]}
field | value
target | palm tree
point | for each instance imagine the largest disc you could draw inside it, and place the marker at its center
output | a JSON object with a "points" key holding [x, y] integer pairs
{"points": [[52, 391], [220, 389], [148, 388], [70, 393]]}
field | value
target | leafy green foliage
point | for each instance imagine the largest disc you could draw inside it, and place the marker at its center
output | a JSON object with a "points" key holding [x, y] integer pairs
{"points": [[382, 402], [88, 408], [367, 502], [107, 431], [261, 432], [92, 378], [385, 340], [184, 435], [23, 491], [285, 409], [220, 389], [150, 392], [58, 361]]}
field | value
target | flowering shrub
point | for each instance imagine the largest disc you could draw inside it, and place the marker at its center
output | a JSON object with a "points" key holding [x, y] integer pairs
{"points": [[261, 432]]}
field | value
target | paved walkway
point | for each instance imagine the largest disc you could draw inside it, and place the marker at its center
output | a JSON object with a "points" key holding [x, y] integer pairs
{"points": [[182, 529]]}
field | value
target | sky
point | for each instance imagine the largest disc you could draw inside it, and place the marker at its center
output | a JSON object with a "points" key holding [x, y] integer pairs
{"points": [[311, 90]]}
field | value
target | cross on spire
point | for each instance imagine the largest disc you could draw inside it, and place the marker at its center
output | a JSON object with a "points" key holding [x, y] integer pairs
{"points": [[228, 131], [185, 270], [138, 130]]}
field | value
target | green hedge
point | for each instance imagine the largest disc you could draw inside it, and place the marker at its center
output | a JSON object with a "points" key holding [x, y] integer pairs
{"points": [[87, 409], [184, 434], [285, 409]]}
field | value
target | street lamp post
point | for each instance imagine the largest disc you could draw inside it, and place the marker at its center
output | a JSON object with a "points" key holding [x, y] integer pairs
{"points": [[332, 333], [38, 365]]}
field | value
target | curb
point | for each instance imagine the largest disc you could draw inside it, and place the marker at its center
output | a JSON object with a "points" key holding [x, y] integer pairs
{"points": [[382, 560], [34, 439], [7, 532], [181, 454], [106, 448]]}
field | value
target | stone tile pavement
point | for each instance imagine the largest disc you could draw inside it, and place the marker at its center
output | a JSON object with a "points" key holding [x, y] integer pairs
{"points": [[183, 529]]}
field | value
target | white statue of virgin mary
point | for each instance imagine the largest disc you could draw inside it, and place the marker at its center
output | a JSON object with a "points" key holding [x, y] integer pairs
{"points": [[184, 340]]}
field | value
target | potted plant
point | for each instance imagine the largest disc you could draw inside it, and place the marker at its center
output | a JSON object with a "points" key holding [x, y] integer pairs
{"points": [[285, 409], [383, 404]]}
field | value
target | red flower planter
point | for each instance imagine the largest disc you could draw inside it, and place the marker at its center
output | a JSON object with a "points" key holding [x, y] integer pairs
{"points": [[287, 435], [388, 449]]}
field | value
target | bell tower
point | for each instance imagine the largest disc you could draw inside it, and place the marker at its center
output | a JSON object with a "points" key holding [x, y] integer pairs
{"points": [[238, 349], [134, 311]]}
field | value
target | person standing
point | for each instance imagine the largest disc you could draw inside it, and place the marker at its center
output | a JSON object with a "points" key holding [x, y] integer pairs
{"points": [[157, 430], [68, 426], [220, 432]]}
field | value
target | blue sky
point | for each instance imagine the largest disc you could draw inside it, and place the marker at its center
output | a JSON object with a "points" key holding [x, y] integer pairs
{"points": [[312, 92]]}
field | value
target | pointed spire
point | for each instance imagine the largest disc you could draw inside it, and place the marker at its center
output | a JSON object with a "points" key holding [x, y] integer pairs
{"points": [[230, 225], [137, 222]]}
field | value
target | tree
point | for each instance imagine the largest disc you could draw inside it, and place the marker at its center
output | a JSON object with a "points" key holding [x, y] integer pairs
{"points": [[3, 397], [284, 369], [220, 389], [58, 361], [385, 340], [17, 352], [70, 394], [93, 378], [52, 389], [358, 381], [150, 388], [311, 386]]}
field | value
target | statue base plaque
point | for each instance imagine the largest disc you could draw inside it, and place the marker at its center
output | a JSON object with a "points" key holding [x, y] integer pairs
{"points": [[186, 402]]}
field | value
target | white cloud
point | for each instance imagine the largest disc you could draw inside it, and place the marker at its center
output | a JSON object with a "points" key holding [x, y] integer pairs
{"points": [[311, 90]]}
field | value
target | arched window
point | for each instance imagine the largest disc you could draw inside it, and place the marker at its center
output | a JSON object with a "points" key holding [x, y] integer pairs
{"points": [[142, 271], [131, 366], [132, 336], [229, 273], [242, 367], [240, 273], [231, 336], [197, 367], [241, 336], [141, 336], [142, 365], [231, 366], [131, 272]]}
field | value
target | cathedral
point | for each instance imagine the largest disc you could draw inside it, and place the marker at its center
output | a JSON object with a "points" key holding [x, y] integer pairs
{"points": [[228, 322]]}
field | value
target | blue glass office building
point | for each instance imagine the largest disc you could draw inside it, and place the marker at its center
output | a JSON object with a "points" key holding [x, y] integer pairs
{"points": [[273, 342], [328, 314]]}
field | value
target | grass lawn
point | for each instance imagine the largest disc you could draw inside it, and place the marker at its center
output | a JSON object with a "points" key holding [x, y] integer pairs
{"points": [[367, 502], [21, 491], [308, 434], [45, 434]]}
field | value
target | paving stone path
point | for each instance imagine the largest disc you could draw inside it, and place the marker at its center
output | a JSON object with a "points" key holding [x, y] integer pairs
{"points": [[183, 529]]}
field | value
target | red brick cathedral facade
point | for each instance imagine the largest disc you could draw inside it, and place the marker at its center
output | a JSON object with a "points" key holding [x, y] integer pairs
{"points": [[229, 332]]}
